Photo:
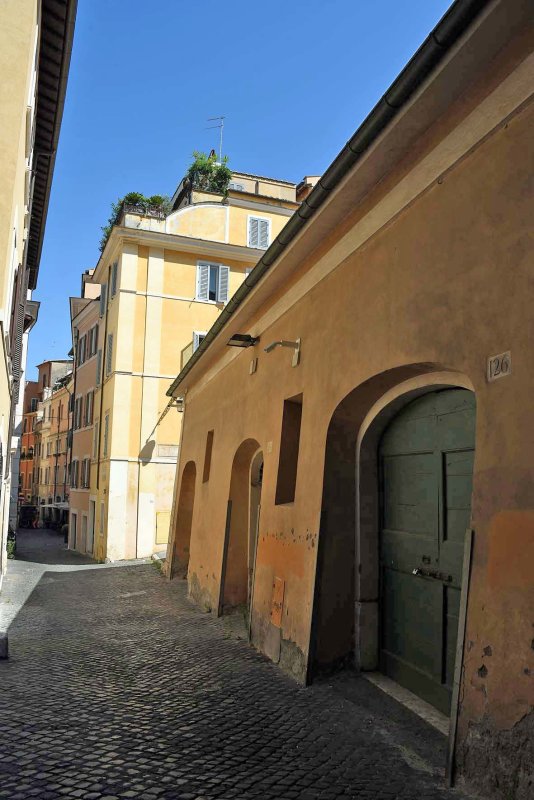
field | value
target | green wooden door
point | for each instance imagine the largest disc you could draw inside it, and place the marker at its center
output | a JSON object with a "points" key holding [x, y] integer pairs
{"points": [[426, 460]]}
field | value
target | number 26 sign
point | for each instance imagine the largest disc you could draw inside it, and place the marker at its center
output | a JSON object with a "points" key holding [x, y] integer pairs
{"points": [[499, 366]]}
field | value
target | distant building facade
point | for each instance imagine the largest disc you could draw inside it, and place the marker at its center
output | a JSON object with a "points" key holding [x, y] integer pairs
{"points": [[27, 492], [52, 448], [163, 282], [85, 320]]}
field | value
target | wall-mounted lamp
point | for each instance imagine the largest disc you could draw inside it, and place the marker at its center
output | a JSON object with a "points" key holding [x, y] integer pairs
{"points": [[242, 340], [283, 343], [178, 404]]}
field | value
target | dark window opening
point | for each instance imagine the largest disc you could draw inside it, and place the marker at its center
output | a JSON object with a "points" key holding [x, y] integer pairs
{"points": [[207, 457], [289, 451], [214, 272]]}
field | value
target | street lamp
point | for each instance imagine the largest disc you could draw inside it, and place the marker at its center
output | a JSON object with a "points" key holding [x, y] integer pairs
{"points": [[242, 340]]}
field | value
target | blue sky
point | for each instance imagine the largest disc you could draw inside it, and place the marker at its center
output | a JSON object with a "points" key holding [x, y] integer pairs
{"points": [[294, 80]]}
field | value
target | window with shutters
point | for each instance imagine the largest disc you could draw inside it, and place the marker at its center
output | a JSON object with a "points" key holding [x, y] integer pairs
{"points": [[103, 296], [78, 408], [86, 466], [213, 281], [114, 272], [109, 353], [82, 344], [98, 367], [74, 474], [95, 441], [198, 338], [89, 403], [259, 232], [93, 339], [106, 433]]}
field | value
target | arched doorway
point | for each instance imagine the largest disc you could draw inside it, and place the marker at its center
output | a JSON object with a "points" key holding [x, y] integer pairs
{"points": [[426, 457], [348, 624], [237, 578], [184, 519]]}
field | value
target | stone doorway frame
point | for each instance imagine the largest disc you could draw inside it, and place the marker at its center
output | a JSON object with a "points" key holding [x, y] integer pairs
{"points": [[345, 616], [366, 568]]}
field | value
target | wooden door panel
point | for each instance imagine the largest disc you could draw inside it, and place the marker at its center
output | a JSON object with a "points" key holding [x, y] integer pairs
{"points": [[427, 456], [410, 493], [413, 632], [451, 616], [400, 439]]}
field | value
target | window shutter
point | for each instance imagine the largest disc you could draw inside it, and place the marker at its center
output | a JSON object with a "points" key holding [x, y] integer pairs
{"points": [[98, 367], [17, 333], [258, 233], [203, 281], [114, 270], [95, 441], [263, 234], [197, 339], [106, 432], [89, 408], [81, 350], [224, 280], [253, 234], [109, 353], [103, 293]]}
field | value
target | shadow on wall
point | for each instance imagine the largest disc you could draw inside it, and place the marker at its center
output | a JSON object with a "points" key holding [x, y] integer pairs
{"points": [[147, 451]]}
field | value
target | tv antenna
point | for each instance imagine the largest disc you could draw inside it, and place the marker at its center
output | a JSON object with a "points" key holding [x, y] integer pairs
{"points": [[220, 126]]}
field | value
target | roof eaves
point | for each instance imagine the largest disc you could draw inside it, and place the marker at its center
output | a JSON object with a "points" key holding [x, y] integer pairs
{"points": [[57, 32]]}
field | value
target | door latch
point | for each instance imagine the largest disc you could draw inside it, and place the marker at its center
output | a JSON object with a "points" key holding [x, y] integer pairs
{"points": [[431, 573]]}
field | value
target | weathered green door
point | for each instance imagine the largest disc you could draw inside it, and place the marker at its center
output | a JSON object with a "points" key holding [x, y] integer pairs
{"points": [[426, 459]]}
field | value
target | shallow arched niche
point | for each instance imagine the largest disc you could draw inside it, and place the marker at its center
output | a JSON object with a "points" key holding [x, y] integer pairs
{"points": [[345, 617], [184, 520], [236, 561]]}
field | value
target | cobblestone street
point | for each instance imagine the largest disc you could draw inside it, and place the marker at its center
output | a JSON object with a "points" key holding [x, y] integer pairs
{"points": [[118, 687]]}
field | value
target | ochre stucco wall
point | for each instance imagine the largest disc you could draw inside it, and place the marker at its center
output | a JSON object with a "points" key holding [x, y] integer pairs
{"points": [[444, 285]]}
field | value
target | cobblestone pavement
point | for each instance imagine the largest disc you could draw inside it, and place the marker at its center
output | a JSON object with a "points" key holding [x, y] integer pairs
{"points": [[118, 687]]}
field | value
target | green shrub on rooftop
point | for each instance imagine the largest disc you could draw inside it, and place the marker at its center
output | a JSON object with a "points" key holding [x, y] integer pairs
{"points": [[209, 175], [160, 201]]}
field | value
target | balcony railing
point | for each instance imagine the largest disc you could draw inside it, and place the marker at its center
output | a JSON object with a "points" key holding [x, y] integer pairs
{"points": [[144, 211]]}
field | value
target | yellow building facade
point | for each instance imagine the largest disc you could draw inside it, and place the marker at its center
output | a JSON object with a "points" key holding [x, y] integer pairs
{"points": [[35, 45], [164, 281], [53, 447], [84, 326]]}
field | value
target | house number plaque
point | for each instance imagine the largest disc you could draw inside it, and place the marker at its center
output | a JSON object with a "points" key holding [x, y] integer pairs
{"points": [[499, 366]]}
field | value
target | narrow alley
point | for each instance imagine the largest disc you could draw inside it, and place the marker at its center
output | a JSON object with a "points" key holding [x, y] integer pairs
{"points": [[118, 687]]}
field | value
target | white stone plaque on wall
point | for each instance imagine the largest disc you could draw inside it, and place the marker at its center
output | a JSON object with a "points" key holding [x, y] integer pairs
{"points": [[499, 366]]}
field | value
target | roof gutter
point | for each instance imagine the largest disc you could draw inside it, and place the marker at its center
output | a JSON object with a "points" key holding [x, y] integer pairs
{"points": [[435, 47]]}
